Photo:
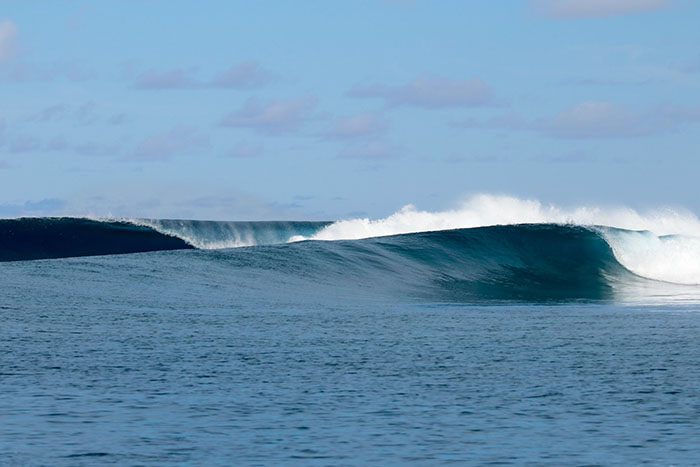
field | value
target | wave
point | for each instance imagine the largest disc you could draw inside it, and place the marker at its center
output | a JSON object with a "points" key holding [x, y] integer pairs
{"points": [[43, 238], [662, 245], [61, 237], [514, 263]]}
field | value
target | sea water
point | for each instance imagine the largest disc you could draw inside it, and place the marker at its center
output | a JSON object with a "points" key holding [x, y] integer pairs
{"points": [[516, 344]]}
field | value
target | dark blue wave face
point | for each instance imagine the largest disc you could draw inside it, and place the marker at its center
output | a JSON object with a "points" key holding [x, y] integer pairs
{"points": [[42, 238], [46, 238]]}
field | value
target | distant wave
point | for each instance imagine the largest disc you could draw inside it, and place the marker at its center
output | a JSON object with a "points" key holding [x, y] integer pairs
{"points": [[61, 237], [43, 238], [663, 245]]}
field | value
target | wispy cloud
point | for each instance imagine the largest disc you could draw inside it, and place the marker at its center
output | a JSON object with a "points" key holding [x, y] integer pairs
{"points": [[24, 143], [23, 71], [355, 126], [598, 120], [272, 116], [430, 91], [44, 207], [84, 113], [164, 146], [96, 149], [57, 143], [170, 79], [596, 8], [373, 149], [591, 120], [244, 149], [117, 119], [245, 75], [8, 40]]}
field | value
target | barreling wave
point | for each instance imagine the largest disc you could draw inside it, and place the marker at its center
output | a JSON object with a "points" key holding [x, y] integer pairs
{"points": [[662, 244], [509, 263], [508, 243]]}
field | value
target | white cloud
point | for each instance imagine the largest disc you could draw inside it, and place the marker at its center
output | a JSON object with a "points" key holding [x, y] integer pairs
{"points": [[374, 149], [598, 119], [591, 119], [171, 79], [244, 149], [24, 143], [357, 126], [593, 8], [245, 75], [430, 91], [272, 116], [8, 40], [163, 146]]}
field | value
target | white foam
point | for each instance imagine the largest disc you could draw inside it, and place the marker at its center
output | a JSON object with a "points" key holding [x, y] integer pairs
{"points": [[225, 235], [672, 259]]}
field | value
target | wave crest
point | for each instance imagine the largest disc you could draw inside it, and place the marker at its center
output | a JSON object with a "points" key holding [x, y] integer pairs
{"points": [[667, 249]]}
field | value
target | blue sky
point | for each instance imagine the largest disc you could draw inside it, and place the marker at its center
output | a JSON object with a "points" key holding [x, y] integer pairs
{"points": [[325, 110]]}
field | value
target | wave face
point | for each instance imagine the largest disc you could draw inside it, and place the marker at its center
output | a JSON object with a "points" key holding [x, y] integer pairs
{"points": [[527, 262], [45, 238], [661, 244], [42, 238]]}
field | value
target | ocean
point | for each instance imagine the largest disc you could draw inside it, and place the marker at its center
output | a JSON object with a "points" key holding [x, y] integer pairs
{"points": [[545, 342]]}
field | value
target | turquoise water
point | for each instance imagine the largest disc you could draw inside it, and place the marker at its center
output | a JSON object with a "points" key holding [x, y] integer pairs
{"points": [[508, 345]]}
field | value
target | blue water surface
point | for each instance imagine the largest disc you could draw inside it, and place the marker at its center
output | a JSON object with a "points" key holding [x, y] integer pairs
{"points": [[211, 358]]}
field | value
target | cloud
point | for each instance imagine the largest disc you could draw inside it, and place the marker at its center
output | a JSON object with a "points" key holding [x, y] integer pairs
{"points": [[430, 91], [598, 120], [117, 119], [507, 121], [83, 114], [8, 40], [245, 75], [591, 120], [57, 143], [24, 143], [596, 8], [164, 146], [23, 71], [272, 116], [46, 206], [374, 149], [98, 149], [52, 112], [172, 79], [693, 67], [365, 124], [244, 149]]}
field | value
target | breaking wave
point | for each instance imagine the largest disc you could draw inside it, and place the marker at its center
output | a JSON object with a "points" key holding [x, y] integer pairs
{"points": [[503, 240]]}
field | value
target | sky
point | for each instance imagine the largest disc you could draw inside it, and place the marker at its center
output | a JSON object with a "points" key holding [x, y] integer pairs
{"points": [[322, 110]]}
